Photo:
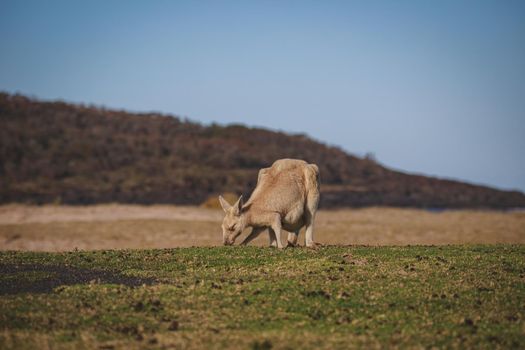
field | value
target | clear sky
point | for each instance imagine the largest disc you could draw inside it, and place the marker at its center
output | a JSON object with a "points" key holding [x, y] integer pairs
{"points": [[433, 87]]}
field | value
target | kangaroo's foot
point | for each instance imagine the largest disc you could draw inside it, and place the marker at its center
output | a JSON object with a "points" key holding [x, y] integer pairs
{"points": [[291, 244], [313, 245]]}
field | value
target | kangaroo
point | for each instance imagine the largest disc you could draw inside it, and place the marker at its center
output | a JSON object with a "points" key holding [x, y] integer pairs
{"points": [[286, 197]]}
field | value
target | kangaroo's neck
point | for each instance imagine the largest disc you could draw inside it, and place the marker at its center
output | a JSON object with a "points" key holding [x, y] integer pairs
{"points": [[247, 217]]}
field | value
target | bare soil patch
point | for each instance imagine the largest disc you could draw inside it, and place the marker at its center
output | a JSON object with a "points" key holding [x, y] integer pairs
{"points": [[43, 278]]}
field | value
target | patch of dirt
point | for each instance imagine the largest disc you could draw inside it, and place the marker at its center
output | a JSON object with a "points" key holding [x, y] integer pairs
{"points": [[352, 260], [45, 278]]}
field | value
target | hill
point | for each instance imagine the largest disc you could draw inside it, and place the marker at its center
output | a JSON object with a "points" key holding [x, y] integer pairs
{"points": [[60, 152]]}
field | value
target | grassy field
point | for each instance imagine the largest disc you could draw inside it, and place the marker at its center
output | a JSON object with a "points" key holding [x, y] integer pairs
{"points": [[455, 296]]}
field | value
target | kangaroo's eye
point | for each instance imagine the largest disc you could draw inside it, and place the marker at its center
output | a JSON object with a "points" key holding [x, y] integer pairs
{"points": [[231, 228]]}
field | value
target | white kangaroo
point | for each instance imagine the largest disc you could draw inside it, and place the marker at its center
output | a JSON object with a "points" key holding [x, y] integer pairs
{"points": [[286, 197]]}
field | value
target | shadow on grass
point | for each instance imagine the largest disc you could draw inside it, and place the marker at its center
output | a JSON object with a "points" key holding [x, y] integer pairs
{"points": [[35, 278]]}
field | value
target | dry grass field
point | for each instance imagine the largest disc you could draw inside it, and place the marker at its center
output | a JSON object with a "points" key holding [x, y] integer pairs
{"points": [[64, 228]]}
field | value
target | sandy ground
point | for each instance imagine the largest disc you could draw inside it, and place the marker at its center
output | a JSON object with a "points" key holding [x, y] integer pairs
{"points": [[62, 228]]}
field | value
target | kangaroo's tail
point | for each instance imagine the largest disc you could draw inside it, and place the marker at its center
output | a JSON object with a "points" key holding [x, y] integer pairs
{"points": [[312, 178]]}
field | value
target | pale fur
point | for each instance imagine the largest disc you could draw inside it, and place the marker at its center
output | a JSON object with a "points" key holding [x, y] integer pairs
{"points": [[286, 197]]}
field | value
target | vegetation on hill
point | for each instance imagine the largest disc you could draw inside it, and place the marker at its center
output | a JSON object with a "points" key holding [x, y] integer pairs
{"points": [[261, 298], [59, 152]]}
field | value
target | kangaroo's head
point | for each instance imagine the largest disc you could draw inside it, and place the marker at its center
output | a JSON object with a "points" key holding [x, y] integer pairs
{"points": [[233, 223]]}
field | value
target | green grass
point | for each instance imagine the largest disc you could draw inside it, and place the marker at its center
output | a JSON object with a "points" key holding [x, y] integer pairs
{"points": [[262, 298]]}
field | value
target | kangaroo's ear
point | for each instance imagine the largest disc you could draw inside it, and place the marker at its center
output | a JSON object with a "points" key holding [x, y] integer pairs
{"points": [[238, 206], [224, 204]]}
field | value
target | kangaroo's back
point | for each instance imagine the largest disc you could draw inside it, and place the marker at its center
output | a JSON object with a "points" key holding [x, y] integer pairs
{"points": [[285, 185]]}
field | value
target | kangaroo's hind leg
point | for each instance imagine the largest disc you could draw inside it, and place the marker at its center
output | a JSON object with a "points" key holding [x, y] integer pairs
{"points": [[311, 209], [312, 202]]}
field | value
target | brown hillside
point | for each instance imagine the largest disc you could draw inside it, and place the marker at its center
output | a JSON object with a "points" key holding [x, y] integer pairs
{"points": [[58, 152]]}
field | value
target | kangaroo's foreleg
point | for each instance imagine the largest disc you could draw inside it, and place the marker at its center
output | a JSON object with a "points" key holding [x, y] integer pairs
{"points": [[273, 239], [256, 231]]}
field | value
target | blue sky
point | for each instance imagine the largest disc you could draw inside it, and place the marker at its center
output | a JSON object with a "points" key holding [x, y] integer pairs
{"points": [[433, 87]]}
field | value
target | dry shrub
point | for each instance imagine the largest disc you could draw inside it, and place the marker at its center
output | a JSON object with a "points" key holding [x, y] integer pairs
{"points": [[212, 202]]}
